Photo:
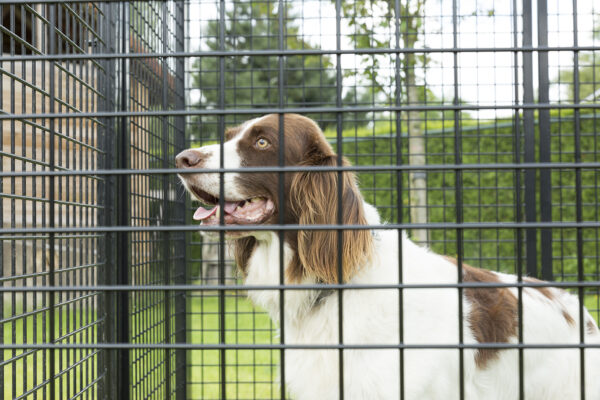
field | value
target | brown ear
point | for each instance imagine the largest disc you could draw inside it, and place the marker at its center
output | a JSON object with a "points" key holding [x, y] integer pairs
{"points": [[242, 251], [231, 132], [314, 199]]}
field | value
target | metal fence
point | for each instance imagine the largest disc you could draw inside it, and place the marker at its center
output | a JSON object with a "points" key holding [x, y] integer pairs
{"points": [[473, 125], [58, 120]]}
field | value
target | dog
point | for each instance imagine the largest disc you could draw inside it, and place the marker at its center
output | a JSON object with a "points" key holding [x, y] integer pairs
{"points": [[429, 315]]}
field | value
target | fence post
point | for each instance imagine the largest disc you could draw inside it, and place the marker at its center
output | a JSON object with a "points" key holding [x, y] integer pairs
{"points": [[166, 206], [180, 245], [123, 246], [106, 214], [544, 137], [529, 142]]}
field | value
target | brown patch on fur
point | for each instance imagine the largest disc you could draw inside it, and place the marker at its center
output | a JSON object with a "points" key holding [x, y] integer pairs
{"points": [[310, 197], [568, 317], [546, 291], [494, 312], [550, 294], [591, 327], [242, 251], [314, 198], [230, 133]]}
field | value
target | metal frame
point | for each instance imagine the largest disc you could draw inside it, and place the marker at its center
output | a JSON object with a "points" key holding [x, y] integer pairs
{"points": [[132, 317]]}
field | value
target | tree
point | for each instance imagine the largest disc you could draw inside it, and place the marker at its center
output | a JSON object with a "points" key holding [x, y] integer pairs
{"points": [[368, 35], [253, 81], [589, 76]]}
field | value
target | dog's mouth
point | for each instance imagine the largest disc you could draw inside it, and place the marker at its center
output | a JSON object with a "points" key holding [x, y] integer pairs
{"points": [[254, 210]]}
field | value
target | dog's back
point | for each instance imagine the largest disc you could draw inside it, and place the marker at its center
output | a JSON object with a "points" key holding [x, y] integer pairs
{"points": [[430, 317]]}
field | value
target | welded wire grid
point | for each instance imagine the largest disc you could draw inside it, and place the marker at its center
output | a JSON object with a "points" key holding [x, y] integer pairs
{"points": [[473, 125], [87, 86], [44, 144]]}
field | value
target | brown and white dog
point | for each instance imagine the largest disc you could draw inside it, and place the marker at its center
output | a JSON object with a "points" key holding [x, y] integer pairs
{"points": [[371, 316]]}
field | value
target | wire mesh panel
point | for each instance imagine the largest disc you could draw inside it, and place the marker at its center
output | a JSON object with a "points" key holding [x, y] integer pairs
{"points": [[156, 257], [67, 87], [471, 126], [469, 91], [51, 144]]}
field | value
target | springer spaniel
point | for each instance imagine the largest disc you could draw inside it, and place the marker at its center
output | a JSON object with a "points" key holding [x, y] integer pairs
{"points": [[371, 316]]}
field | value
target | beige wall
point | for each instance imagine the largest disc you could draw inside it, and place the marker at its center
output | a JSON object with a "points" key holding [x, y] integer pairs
{"points": [[26, 146]]}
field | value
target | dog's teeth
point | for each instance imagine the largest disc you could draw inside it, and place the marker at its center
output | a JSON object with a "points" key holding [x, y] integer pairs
{"points": [[254, 199], [238, 208], [218, 213]]}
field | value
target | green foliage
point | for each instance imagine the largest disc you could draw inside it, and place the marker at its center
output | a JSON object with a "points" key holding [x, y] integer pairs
{"points": [[253, 82], [589, 76], [487, 195]]}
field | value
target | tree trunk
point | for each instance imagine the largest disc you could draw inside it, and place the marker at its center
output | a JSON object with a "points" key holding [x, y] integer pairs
{"points": [[416, 148]]}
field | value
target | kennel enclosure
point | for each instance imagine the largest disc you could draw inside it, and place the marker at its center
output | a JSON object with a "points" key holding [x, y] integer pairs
{"points": [[473, 125]]}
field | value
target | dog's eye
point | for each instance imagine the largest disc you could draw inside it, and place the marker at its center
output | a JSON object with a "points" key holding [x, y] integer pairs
{"points": [[262, 143]]}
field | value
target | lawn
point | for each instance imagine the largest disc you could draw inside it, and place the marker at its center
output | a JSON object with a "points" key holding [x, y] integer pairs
{"points": [[249, 374]]}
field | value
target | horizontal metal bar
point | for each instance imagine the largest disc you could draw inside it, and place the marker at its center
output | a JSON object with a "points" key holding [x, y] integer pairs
{"points": [[57, 237], [217, 346], [64, 136], [298, 110], [77, 363], [33, 312], [44, 200], [40, 90], [296, 52], [81, 328], [355, 168], [83, 22], [16, 357], [87, 387], [296, 227], [334, 286]]}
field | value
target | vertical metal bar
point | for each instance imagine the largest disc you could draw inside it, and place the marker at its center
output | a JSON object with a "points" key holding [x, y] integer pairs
{"points": [[109, 275], [51, 195], [24, 206], [281, 192], [578, 198], [545, 183], [2, 226], [13, 249], [399, 192], [518, 209], [123, 256], [458, 199], [340, 191], [221, 130], [529, 130], [180, 245], [166, 214]]}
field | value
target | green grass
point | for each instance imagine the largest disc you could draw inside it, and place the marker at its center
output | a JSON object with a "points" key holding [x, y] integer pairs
{"points": [[31, 368], [249, 374]]}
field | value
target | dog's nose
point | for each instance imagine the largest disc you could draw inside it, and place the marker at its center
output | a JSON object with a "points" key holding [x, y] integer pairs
{"points": [[188, 159]]}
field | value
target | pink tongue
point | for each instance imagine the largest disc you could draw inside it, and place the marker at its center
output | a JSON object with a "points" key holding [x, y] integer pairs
{"points": [[202, 213], [230, 206]]}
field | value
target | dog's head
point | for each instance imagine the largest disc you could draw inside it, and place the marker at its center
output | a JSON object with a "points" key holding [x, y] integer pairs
{"points": [[310, 198]]}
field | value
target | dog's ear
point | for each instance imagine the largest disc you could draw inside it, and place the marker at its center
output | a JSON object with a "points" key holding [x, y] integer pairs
{"points": [[242, 250], [230, 133], [314, 200]]}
